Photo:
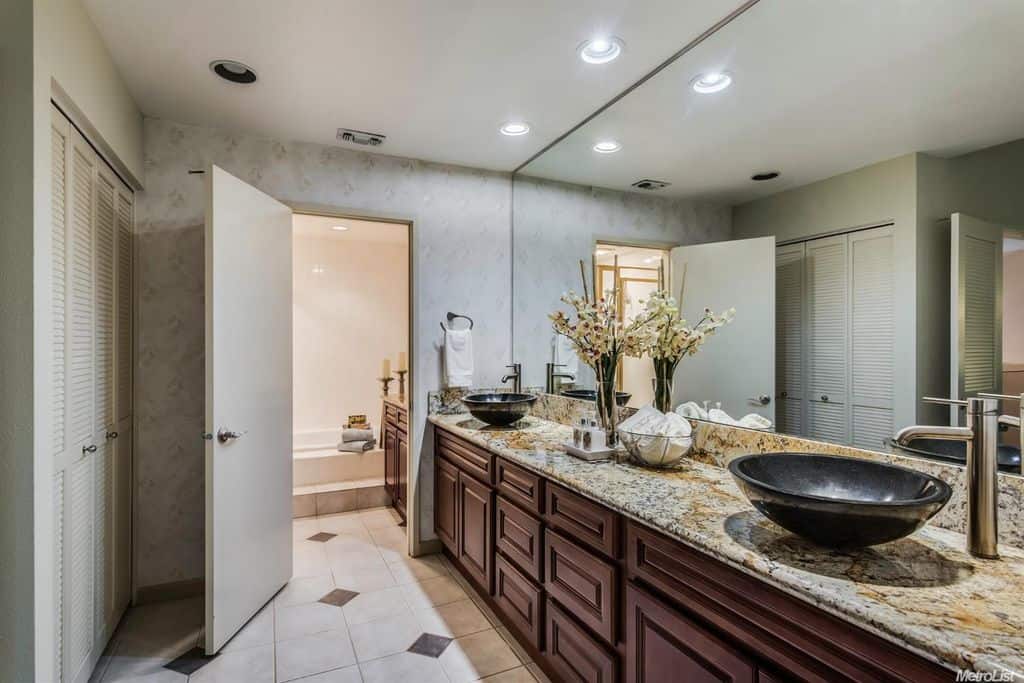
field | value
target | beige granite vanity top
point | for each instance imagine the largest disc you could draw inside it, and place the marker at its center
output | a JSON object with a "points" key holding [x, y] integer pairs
{"points": [[923, 592]]}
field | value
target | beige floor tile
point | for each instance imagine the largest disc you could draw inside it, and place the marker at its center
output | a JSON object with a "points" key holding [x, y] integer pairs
{"points": [[433, 592], [537, 673], [522, 654], [378, 518], [304, 528], [405, 667], [309, 561], [393, 551], [375, 605], [149, 674], [455, 619], [477, 656], [518, 675], [253, 665], [383, 637], [410, 569], [313, 654], [300, 591], [390, 535], [350, 674], [363, 580], [259, 631], [352, 559], [343, 523], [307, 619], [483, 606]]}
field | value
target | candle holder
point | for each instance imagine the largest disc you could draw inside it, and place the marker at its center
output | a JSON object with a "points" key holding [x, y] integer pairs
{"points": [[401, 382], [385, 383]]}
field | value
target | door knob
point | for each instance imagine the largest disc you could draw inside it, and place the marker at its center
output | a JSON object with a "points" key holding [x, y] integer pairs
{"points": [[112, 435], [824, 398], [226, 435], [761, 400]]}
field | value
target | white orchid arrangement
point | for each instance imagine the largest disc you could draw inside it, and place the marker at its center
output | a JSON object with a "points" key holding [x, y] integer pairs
{"points": [[597, 333], [670, 337]]}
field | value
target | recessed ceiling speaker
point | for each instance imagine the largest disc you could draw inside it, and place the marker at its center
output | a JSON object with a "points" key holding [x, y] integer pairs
{"points": [[361, 137], [233, 71], [650, 185], [766, 175]]}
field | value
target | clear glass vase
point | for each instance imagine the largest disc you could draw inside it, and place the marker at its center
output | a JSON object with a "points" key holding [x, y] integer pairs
{"points": [[664, 371], [607, 408]]}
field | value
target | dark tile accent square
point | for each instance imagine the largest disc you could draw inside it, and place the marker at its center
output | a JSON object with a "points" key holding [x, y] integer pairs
{"points": [[322, 537], [190, 662], [430, 645], [338, 597]]}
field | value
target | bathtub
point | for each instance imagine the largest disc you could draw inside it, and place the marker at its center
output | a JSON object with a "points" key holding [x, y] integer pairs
{"points": [[317, 461]]}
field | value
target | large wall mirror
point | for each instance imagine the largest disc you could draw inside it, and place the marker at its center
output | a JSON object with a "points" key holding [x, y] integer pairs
{"points": [[848, 176]]}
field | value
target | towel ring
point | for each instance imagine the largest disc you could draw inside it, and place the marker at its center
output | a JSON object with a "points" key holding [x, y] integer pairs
{"points": [[452, 316]]}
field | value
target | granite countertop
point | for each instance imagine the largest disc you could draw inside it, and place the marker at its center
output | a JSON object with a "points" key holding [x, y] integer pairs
{"points": [[924, 591]]}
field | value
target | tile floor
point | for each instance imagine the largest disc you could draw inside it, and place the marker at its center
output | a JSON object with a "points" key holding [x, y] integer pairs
{"points": [[357, 609]]}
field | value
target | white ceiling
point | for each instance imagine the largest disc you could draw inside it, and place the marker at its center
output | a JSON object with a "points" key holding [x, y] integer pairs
{"points": [[375, 232], [820, 88], [437, 77]]}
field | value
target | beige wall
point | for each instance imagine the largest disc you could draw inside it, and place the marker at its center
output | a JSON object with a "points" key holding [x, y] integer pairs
{"points": [[1013, 308], [882, 192], [346, 319]]}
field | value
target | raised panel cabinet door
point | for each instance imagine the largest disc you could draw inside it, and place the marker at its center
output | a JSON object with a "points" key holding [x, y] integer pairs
{"points": [[582, 582], [663, 646], [519, 535], [403, 472], [391, 461], [574, 653], [446, 492], [476, 522], [519, 600]]}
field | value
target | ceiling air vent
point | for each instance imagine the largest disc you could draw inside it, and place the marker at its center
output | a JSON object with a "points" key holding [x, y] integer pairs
{"points": [[360, 137], [648, 184]]}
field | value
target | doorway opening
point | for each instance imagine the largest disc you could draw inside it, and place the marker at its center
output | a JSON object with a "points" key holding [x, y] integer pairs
{"points": [[350, 312], [634, 272]]}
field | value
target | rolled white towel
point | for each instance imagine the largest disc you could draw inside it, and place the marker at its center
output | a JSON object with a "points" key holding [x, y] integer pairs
{"points": [[720, 416], [754, 421], [691, 410]]}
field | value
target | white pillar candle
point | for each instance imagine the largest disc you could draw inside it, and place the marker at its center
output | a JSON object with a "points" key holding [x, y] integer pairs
{"points": [[385, 367], [402, 362]]}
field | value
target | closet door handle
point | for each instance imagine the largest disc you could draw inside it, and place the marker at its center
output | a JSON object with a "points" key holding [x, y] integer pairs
{"points": [[112, 435], [824, 398], [89, 449]]}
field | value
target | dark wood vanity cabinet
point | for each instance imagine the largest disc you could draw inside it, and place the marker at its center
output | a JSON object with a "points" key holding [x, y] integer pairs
{"points": [[597, 598], [396, 455]]}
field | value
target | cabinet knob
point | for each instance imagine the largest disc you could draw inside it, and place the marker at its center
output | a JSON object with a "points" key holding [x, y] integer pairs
{"points": [[89, 449]]}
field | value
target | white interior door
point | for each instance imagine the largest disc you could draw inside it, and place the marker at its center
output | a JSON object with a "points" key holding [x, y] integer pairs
{"points": [[248, 392], [736, 367], [976, 307]]}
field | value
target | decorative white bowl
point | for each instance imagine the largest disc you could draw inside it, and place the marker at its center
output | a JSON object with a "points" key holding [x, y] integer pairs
{"points": [[654, 450]]}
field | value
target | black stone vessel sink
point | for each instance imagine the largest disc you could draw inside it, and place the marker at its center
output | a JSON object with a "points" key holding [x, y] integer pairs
{"points": [[499, 408], [621, 397], [839, 502], [956, 451]]}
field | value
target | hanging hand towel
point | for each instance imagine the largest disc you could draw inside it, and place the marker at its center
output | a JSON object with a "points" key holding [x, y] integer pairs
{"points": [[458, 358], [564, 354]]}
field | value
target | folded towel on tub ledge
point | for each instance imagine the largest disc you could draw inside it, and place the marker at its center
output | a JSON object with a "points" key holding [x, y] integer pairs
{"points": [[357, 446], [349, 435]]}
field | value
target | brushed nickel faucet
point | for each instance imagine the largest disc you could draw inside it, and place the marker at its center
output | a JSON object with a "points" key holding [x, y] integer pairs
{"points": [[551, 376], [1012, 420], [516, 376], [981, 438]]}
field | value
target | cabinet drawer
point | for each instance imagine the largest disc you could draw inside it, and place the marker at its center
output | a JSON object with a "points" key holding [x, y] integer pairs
{"points": [[402, 420], [390, 413], [573, 652], [474, 461], [662, 645], [520, 486], [584, 520], [519, 600], [519, 536], [582, 582]]}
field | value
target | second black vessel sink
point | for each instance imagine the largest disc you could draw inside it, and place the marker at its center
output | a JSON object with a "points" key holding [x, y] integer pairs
{"points": [[499, 408], [621, 397], [839, 502]]}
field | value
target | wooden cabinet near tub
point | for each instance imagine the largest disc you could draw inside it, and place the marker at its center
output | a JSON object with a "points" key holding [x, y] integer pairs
{"points": [[592, 596], [395, 433]]}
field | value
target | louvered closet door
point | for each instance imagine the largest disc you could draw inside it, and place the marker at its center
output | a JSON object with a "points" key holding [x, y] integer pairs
{"points": [[75, 461], [872, 337], [789, 340], [827, 351]]}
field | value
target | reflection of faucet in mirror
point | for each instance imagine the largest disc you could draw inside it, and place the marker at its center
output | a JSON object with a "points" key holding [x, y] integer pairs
{"points": [[981, 436], [516, 376], [1012, 420], [554, 378]]}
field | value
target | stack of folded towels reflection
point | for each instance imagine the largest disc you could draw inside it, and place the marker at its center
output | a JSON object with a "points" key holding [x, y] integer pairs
{"points": [[652, 422], [357, 440], [752, 421]]}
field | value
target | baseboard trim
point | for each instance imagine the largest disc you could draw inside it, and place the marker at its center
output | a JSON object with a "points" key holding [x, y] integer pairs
{"points": [[428, 547], [174, 590]]}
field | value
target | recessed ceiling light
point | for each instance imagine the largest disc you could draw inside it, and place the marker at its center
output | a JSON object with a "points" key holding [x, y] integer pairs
{"points": [[713, 81], [339, 228], [600, 50], [602, 252], [514, 128], [765, 175], [233, 71], [607, 147]]}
